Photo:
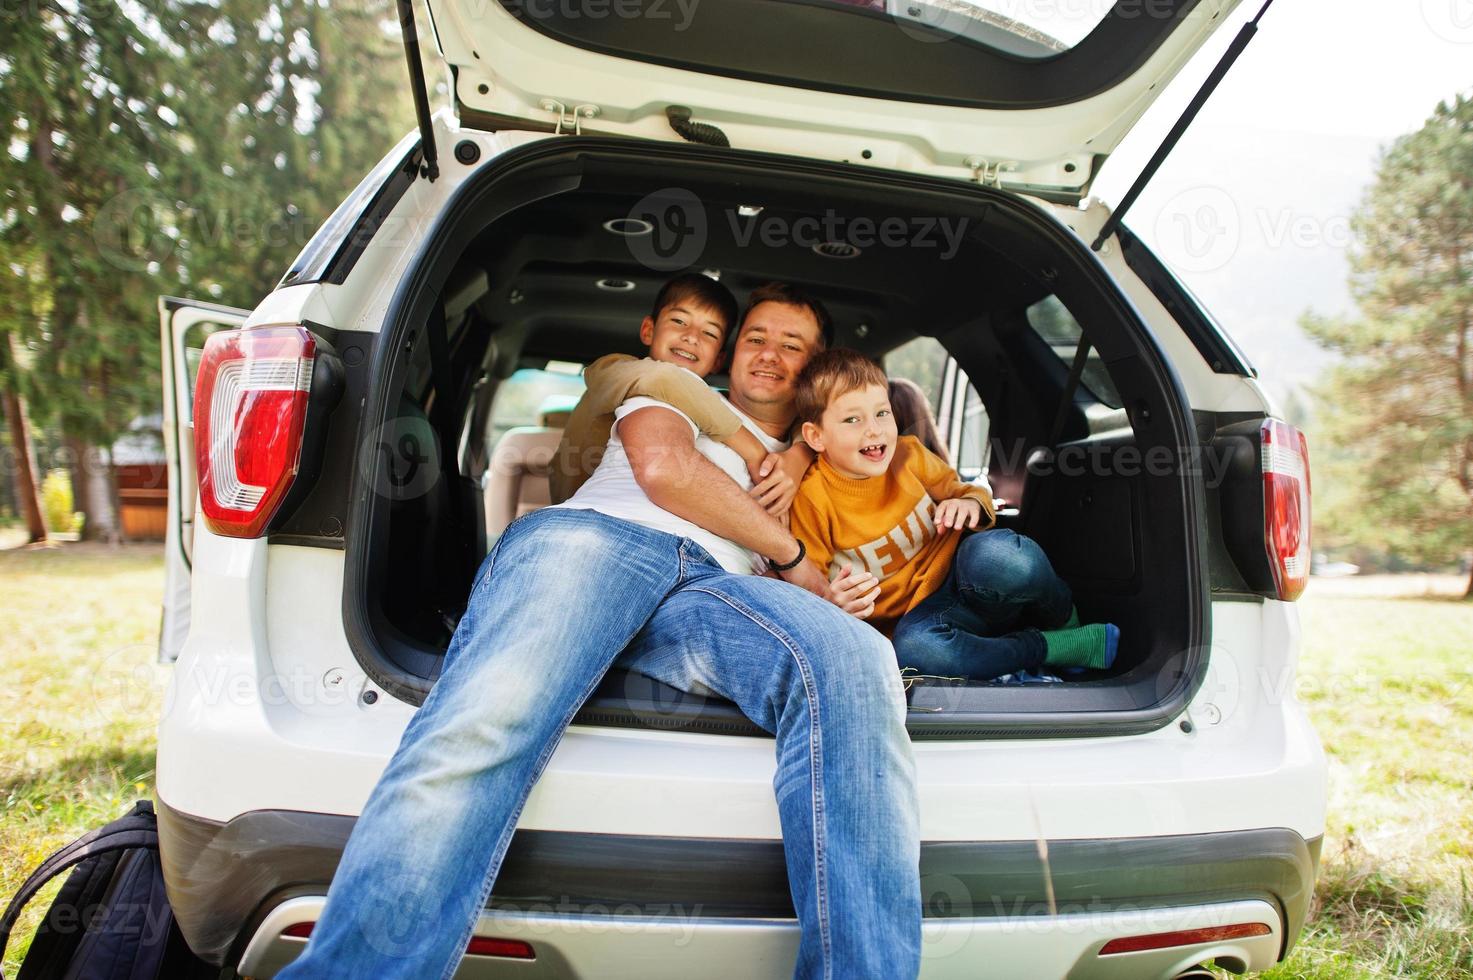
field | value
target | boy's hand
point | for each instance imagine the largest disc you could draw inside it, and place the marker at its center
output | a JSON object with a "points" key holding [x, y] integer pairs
{"points": [[958, 513], [775, 487], [854, 592]]}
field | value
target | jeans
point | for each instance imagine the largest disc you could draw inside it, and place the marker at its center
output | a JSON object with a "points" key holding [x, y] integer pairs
{"points": [[984, 620], [559, 597]]}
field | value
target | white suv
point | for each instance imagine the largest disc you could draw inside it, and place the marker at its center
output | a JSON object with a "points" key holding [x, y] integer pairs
{"points": [[343, 453]]}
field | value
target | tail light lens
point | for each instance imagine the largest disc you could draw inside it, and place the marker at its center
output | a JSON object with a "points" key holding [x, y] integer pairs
{"points": [[1188, 937], [1285, 466], [514, 949], [250, 411]]}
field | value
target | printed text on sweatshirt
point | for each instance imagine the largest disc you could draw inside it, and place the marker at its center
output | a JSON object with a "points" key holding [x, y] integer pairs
{"points": [[885, 525]]}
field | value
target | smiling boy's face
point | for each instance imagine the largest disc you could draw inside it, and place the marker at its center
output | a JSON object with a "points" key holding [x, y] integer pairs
{"points": [[857, 434], [686, 333]]}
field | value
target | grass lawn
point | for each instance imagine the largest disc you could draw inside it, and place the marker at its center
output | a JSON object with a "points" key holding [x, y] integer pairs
{"points": [[1389, 685], [78, 638], [1387, 681]]}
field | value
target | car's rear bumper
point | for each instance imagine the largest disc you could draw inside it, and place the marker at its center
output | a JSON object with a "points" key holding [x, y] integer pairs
{"points": [[225, 880], [634, 947]]}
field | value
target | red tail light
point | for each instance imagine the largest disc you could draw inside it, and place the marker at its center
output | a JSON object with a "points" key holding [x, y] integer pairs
{"points": [[250, 410], [478, 946], [1285, 465], [1187, 937], [510, 948]]}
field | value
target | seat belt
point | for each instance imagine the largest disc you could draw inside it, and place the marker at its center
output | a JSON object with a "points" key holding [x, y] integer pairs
{"points": [[442, 422], [1030, 479], [446, 425], [1076, 375]]}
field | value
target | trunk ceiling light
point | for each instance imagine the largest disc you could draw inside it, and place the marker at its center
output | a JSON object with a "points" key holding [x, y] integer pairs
{"points": [[837, 250], [628, 227]]}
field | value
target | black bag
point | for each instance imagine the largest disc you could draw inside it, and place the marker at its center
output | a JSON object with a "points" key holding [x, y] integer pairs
{"points": [[111, 919]]}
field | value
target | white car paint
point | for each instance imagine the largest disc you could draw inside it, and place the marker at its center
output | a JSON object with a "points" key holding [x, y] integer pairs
{"points": [[269, 692]]}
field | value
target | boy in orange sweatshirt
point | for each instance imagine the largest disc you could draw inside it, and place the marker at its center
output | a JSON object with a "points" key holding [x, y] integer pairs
{"points": [[885, 518]]}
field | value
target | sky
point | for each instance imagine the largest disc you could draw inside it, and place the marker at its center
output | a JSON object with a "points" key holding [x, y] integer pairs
{"points": [[1252, 208]]}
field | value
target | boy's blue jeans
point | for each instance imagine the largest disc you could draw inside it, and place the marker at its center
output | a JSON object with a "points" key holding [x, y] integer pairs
{"points": [[561, 594], [984, 621]]}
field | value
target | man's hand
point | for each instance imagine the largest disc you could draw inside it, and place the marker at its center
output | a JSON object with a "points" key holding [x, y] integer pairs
{"points": [[777, 488], [957, 513], [854, 592], [795, 460], [807, 575]]}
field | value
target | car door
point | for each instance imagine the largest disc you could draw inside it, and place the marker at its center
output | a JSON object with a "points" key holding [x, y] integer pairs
{"points": [[184, 324]]}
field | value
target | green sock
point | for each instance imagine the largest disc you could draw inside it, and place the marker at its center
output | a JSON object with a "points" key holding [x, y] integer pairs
{"points": [[1091, 646]]}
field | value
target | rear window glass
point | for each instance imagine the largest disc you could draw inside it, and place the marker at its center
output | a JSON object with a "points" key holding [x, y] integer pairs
{"points": [[1053, 322], [1023, 28], [986, 54]]}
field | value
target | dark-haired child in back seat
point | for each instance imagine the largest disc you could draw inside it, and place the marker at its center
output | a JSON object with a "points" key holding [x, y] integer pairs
{"points": [[887, 518]]}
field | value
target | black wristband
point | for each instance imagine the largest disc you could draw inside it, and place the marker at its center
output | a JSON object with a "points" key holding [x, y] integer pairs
{"points": [[802, 553]]}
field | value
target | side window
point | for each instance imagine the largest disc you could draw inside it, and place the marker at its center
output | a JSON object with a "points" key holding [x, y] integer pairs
{"points": [[1056, 326], [961, 418], [529, 396], [973, 447], [923, 361], [194, 352]]}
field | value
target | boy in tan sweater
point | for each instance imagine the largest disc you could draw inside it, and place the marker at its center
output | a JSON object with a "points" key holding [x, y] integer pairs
{"points": [[685, 332], [886, 519]]}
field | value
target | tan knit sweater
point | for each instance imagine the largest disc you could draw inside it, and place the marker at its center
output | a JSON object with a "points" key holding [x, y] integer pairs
{"points": [[612, 380]]}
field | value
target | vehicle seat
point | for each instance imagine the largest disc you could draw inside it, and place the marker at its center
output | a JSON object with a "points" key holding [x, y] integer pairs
{"points": [[516, 477], [554, 418]]}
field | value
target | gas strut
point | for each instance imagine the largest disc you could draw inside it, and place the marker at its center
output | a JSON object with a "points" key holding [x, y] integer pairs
{"points": [[1231, 55], [431, 168]]}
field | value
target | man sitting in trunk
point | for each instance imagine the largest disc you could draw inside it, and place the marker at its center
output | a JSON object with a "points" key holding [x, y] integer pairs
{"points": [[647, 564]]}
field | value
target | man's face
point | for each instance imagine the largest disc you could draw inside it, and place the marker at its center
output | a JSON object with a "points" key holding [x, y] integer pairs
{"points": [[686, 333], [775, 341]]}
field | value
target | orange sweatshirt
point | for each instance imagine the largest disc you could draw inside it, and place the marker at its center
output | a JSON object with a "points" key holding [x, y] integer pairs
{"points": [[885, 525]]}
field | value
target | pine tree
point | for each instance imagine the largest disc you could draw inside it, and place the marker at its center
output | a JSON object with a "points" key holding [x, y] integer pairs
{"points": [[89, 116], [167, 146], [293, 104], [1397, 412]]}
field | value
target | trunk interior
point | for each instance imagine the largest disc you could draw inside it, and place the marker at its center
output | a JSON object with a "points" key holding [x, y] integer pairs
{"points": [[970, 292]]}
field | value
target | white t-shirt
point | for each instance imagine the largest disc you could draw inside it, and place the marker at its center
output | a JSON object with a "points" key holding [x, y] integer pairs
{"points": [[613, 490]]}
